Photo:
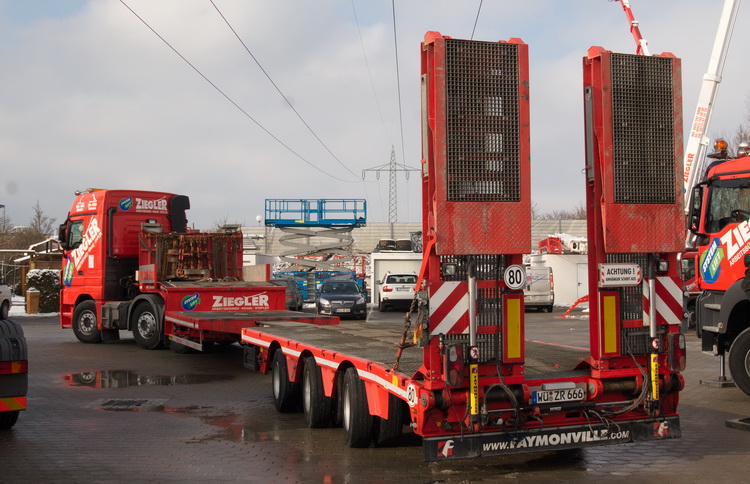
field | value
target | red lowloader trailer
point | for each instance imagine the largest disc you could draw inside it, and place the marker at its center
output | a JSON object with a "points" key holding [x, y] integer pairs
{"points": [[465, 380]]}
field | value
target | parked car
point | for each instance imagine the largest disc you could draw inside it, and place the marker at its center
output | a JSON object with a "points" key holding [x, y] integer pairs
{"points": [[341, 298], [5, 299], [396, 289], [294, 298]]}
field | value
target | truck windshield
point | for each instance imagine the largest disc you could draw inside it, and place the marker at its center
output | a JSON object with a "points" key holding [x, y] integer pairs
{"points": [[729, 202]]}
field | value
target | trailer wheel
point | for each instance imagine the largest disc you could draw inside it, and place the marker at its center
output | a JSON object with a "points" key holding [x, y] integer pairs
{"points": [[85, 323], [285, 393], [739, 361], [146, 328], [388, 430], [8, 419], [358, 423], [4, 310], [315, 404]]}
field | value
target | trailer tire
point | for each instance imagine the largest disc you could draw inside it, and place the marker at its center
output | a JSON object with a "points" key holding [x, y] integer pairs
{"points": [[4, 310], [739, 361], [146, 328], [388, 430], [358, 423], [8, 419], [315, 405], [285, 393], [85, 323]]}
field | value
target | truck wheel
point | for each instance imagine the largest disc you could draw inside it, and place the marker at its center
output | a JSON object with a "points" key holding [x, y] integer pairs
{"points": [[358, 423], [146, 327], [315, 404], [85, 324], [739, 361], [4, 310], [284, 391], [388, 430], [8, 419]]}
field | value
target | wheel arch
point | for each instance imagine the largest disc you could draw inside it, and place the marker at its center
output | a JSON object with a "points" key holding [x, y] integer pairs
{"points": [[156, 302], [735, 311]]}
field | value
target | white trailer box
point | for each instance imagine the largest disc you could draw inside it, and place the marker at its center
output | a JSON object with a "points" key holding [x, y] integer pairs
{"points": [[390, 261]]}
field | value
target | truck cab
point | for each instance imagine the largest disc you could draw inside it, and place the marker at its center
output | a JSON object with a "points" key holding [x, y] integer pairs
{"points": [[101, 242], [720, 220]]}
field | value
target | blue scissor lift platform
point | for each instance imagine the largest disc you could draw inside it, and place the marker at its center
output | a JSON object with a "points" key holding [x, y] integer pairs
{"points": [[315, 231]]}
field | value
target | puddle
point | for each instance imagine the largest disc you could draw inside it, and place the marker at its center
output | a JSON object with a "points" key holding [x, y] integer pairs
{"points": [[125, 378]]}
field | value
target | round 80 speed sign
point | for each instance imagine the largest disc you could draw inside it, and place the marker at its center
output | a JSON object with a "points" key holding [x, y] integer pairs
{"points": [[515, 277]]}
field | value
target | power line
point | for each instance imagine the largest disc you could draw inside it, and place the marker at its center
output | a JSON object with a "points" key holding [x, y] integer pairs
{"points": [[279, 90], [226, 96], [476, 19], [369, 74], [398, 82]]}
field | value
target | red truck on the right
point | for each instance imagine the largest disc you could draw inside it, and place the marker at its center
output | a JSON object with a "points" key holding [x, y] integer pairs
{"points": [[719, 218]]}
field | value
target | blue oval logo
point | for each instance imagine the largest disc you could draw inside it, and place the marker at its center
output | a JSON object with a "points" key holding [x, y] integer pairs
{"points": [[711, 261], [126, 203], [68, 273], [191, 302]]}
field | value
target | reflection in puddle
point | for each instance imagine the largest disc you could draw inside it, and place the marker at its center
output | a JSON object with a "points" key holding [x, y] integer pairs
{"points": [[125, 378]]}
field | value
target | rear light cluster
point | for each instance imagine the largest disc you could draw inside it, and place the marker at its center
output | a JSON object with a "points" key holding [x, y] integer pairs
{"points": [[387, 289], [14, 367]]}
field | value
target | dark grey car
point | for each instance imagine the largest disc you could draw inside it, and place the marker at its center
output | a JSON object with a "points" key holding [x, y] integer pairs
{"points": [[341, 298]]}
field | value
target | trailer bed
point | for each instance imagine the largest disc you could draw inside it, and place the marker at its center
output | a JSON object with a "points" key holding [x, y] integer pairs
{"points": [[378, 343]]}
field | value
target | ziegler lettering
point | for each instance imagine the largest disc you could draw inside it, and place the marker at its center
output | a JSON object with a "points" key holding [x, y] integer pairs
{"points": [[737, 242], [143, 205], [240, 302], [90, 238]]}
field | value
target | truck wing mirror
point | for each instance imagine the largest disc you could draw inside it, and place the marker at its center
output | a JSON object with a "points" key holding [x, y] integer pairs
{"points": [[62, 236]]}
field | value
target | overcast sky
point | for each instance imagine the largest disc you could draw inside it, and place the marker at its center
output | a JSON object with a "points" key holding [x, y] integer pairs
{"points": [[90, 97]]}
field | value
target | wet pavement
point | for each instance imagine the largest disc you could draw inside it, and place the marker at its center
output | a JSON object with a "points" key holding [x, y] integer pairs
{"points": [[114, 413]]}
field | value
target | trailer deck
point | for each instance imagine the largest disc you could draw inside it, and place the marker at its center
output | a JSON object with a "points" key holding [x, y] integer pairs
{"points": [[378, 343]]}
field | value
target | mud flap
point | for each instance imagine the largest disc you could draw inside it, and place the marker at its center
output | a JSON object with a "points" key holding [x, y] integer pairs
{"points": [[556, 438]]}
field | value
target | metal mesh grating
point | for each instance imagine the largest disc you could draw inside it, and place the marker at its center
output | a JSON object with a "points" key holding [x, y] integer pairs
{"points": [[482, 121], [643, 129], [631, 297], [490, 267], [197, 256], [489, 302], [637, 341]]}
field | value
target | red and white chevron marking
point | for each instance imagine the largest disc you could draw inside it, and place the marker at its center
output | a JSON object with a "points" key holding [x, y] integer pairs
{"points": [[449, 308], [668, 301]]}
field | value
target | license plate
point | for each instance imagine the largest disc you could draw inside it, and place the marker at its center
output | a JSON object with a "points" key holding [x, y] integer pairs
{"points": [[344, 310], [403, 288], [553, 396]]}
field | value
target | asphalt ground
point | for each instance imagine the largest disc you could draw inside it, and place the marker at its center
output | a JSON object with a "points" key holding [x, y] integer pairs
{"points": [[116, 413]]}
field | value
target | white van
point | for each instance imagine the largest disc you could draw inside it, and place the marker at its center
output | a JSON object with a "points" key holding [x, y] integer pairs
{"points": [[540, 288]]}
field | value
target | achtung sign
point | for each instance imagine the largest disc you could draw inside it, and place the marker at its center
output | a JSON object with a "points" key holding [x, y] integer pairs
{"points": [[618, 275]]}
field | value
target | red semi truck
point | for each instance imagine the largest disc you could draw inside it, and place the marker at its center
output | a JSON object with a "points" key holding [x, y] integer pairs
{"points": [[131, 264], [469, 384], [720, 220]]}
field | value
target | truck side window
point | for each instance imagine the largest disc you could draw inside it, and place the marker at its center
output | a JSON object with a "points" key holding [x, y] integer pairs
{"points": [[75, 234]]}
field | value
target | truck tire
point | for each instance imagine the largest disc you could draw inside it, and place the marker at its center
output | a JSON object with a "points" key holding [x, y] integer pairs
{"points": [[146, 328], [85, 323], [739, 361], [285, 393], [315, 405], [358, 423], [388, 430], [8, 419], [4, 310]]}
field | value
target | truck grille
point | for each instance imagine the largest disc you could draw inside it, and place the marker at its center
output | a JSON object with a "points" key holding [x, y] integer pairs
{"points": [[482, 121], [643, 129]]}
